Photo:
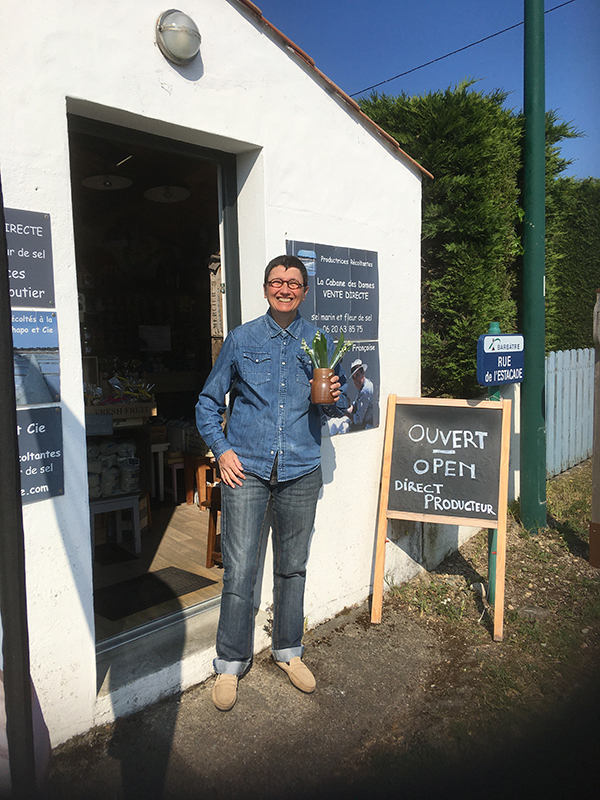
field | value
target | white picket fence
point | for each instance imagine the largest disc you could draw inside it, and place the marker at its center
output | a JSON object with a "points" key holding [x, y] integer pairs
{"points": [[569, 408]]}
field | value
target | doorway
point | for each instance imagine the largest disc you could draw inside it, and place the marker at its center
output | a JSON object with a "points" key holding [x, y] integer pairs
{"points": [[148, 222]]}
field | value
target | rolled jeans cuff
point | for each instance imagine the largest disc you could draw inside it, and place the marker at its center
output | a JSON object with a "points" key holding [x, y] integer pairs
{"points": [[223, 667], [288, 653]]}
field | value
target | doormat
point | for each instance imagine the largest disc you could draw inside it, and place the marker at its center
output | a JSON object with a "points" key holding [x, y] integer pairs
{"points": [[110, 553], [137, 594]]}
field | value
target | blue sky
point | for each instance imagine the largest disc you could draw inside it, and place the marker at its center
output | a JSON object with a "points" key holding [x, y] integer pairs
{"points": [[358, 43]]}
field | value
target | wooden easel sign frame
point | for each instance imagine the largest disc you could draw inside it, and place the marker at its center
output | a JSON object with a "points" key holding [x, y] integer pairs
{"points": [[445, 461]]}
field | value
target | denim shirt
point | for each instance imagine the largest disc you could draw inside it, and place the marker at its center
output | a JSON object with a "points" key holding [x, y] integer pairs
{"points": [[270, 413]]}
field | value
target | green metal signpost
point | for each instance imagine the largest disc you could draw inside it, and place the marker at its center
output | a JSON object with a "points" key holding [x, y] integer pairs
{"points": [[533, 422]]}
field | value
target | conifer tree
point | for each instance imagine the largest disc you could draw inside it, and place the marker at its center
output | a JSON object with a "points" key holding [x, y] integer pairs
{"points": [[471, 251], [572, 262], [471, 144]]}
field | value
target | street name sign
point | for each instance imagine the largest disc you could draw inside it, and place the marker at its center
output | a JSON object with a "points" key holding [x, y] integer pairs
{"points": [[500, 359]]}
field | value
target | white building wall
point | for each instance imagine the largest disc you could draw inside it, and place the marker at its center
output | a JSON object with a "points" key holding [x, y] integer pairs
{"points": [[308, 170]]}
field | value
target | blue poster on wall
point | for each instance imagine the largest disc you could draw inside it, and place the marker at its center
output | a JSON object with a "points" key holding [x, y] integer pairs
{"points": [[39, 432], [36, 360], [361, 365], [343, 298], [343, 294], [29, 250]]}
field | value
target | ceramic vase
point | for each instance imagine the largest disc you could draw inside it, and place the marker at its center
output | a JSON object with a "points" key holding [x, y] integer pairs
{"points": [[320, 391]]}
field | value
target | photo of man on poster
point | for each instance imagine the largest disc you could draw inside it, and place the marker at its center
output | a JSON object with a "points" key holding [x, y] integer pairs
{"points": [[360, 412], [363, 392]]}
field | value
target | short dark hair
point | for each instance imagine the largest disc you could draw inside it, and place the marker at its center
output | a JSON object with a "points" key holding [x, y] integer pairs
{"points": [[287, 262]]}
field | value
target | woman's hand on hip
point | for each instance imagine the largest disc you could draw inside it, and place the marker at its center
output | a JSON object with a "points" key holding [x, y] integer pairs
{"points": [[232, 472]]}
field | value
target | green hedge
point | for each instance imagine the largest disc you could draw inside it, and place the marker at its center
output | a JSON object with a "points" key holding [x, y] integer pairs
{"points": [[471, 245], [572, 262], [471, 144]]}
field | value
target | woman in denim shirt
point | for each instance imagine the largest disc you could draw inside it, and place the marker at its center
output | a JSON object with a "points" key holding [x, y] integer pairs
{"points": [[270, 453]]}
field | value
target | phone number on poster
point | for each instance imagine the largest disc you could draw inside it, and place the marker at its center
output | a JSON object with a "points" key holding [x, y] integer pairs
{"points": [[342, 328]]}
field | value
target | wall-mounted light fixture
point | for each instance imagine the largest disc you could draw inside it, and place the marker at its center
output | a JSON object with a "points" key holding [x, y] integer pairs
{"points": [[177, 36]]}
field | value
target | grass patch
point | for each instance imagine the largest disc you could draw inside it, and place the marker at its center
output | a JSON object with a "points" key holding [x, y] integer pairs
{"points": [[568, 499], [552, 605], [432, 598]]}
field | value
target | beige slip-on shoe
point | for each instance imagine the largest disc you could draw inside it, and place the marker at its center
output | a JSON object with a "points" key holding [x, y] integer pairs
{"points": [[224, 693], [299, 674]]}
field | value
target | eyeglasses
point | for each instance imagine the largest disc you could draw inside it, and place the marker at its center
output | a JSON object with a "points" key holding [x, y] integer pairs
{"points": [[292, 284]]}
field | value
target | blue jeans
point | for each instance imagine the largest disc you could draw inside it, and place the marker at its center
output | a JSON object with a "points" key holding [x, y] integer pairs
{"points": [[242, 530]]}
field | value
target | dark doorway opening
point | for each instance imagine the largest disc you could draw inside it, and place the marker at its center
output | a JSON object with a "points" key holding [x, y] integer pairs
{"points": [[147, 220]]}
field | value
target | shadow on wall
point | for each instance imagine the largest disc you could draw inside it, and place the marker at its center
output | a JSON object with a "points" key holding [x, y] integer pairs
{"points": [[426, 544]]}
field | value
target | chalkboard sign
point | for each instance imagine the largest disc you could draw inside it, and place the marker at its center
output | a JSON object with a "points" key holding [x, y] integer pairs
{"points": [[445, 461]]}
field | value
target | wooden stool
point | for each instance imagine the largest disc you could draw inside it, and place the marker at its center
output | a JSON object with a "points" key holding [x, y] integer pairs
{"points": [[196, 472], [145, 512], [213, 504]]}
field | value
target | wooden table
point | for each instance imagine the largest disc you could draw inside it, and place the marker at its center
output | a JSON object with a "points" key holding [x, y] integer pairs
{"points": [[118, 504]]}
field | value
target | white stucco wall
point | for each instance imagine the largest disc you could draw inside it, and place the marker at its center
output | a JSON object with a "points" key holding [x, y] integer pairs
{"points": [[307, 170]]}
